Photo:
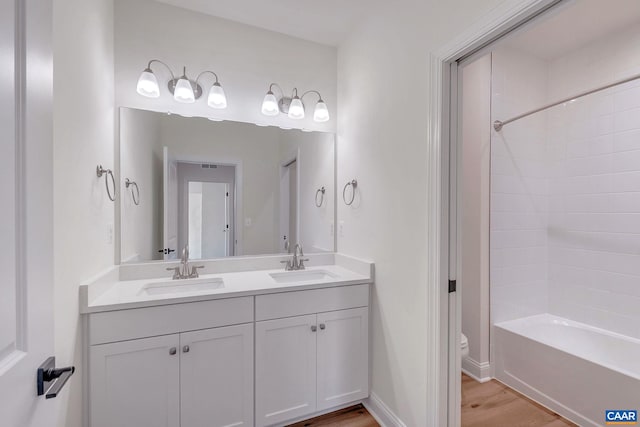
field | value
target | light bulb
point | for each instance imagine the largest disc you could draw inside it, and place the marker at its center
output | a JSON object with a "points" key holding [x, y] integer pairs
{"points": [[270, 105], [321, 113], [217, 98], [148, 84], [296, 109], [183, 91]]}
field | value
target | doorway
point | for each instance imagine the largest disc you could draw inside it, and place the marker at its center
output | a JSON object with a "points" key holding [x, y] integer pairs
{"points": [[206, 209], [289, 205], [522, 200]]}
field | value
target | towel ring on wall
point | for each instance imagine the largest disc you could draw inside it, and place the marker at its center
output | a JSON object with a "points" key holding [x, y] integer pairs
{"points": [[101, 171], [135, 196], [320, 191], [353, 183]]}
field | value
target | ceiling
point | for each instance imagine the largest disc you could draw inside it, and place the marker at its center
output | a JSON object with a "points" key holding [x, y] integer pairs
{"points": [[573, 26], [327, 21]]}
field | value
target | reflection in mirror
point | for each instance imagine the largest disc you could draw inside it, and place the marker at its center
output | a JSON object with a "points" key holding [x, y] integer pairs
{"points": [[223, 188]]}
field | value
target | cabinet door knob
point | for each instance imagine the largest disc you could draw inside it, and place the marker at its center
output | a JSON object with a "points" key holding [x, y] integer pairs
{"points": [[314, 328], [322, 326], [185, 349], [173, 351]]}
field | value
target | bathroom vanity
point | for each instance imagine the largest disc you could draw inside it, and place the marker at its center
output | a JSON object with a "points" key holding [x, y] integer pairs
{"points": [[245, 344]]}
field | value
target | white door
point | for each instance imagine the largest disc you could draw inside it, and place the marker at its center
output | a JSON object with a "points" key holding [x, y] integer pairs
{"points": [[26, 228], [216, 377], [208, 219], [285, 369], [170, 205], [343, 349], [136, 383]]}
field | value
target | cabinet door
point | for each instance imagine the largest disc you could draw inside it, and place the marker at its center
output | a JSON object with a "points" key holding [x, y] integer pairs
{"points": [[285, 369], [343, 357], [216, 377], [136, 383]]}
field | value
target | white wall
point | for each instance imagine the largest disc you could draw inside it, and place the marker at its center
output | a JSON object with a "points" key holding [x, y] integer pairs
{"points": [[594, 227], [247, 60], [475, 194], [519, 188], [83, 137], [382, 142]]}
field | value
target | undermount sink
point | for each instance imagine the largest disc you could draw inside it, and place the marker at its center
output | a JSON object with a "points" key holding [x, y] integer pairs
{"points": [[302, 276], [182, 286]]}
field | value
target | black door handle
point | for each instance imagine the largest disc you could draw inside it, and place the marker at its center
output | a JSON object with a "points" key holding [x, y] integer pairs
{"points": [[51, 379], [166, 251]]}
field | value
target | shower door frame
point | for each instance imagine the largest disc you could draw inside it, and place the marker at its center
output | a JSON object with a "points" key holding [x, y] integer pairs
{"points": [[444, 322]]}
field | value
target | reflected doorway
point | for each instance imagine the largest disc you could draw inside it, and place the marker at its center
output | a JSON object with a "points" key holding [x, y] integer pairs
{"points": [[206, 209]]}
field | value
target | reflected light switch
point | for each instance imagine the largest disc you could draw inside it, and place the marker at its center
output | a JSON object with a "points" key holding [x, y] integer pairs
{"points": [[248, 222]]}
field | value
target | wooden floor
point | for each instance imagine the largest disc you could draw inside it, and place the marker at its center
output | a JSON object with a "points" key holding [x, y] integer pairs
{"points": [[354, 416], [492, 404]]}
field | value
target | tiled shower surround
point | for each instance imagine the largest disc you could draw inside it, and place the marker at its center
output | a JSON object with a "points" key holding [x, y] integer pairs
{"points": [[565, 197]]}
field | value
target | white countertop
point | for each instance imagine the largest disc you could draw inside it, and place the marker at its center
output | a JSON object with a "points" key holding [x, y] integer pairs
{"points": [[116, 294]]}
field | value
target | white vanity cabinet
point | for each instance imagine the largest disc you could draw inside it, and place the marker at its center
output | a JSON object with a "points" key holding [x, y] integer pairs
{"points": [[312, 362], [185, 379], [285, 369], [216, 377], [260, 360], [136, 383]]}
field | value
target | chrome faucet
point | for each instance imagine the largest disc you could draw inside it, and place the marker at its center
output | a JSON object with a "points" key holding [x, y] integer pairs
{"points": [[183, 271], [297, 261]]}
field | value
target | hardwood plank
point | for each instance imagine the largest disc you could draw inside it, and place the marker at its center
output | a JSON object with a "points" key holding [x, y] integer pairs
{"points": [[492, 404], [353, 416]]}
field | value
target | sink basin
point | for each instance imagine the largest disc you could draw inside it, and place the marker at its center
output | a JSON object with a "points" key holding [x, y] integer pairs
{"points": [[302, 276], [182, 286]]}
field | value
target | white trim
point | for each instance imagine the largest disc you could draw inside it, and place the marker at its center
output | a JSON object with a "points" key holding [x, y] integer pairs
{"points": [[480, 372], [381, 412], [492, 25]]}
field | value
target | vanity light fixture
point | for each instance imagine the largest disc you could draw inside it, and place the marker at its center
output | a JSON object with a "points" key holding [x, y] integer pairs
{"points": [[293, 105], [183, 89]]}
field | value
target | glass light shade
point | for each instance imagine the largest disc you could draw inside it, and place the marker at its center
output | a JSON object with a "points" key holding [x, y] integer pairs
{"points": [[148, 84], [183, 91], [217, 98], [321, 113], [270, 105], [296, 109]]}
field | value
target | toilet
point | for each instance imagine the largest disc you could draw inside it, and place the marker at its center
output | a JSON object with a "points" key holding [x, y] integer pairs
{"points": [[464, 346]]}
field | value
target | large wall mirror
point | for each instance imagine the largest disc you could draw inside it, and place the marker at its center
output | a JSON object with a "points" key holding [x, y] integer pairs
{"points": [[222, 188]]}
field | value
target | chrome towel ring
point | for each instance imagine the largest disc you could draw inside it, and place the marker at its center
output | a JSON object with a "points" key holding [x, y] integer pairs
{"points": [[321, 192], [353, 183], [101, 171], [134, 195]]}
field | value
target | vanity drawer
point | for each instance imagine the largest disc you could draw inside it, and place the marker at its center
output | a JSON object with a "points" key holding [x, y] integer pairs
{"points": [[288, 304], [136, 323]]}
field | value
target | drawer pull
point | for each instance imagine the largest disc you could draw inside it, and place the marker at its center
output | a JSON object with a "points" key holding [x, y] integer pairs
{"points": [[314, 328], [322, 326], [185, 349], [173, 351]]}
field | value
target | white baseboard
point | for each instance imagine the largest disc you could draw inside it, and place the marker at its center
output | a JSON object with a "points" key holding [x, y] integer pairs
{"points": [[381, 412], [480, 372]]}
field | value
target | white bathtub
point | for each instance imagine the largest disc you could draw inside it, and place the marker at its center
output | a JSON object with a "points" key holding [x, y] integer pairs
{"points": [[576, 370]]}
